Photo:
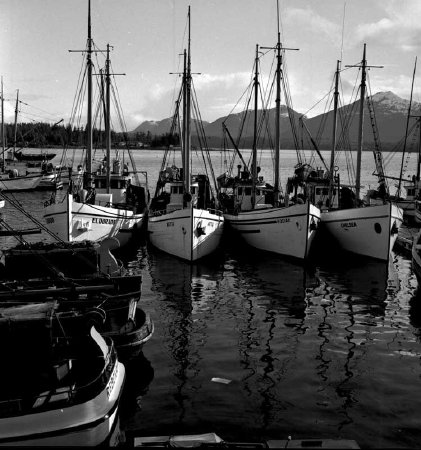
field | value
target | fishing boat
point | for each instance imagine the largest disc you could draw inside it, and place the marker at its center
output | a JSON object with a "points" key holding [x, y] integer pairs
{"points": [[183, 220], [349, 223], [111, 201], [254, 209], [26, 156], [21, 173], [63, 383], [111, 302]]}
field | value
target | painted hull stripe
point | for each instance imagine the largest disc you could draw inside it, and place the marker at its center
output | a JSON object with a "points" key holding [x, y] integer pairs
{"points": [[64, 431], [264, 222], [104, 216], [355, 219], [153, 220]]}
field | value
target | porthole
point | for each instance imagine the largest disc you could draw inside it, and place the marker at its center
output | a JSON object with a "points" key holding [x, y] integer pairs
{"points": [[378, 227]]}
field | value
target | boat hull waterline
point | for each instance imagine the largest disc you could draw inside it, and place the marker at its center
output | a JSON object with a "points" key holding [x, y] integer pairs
{"points": [[369, 231], [285, 231], [73, 221], [189, 233]]}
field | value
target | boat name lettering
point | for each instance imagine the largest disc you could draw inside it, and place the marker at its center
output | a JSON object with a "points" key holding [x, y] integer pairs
{"points": [[170, 224], [111, 382], [286, 219], [103, 221], [348, 224]]}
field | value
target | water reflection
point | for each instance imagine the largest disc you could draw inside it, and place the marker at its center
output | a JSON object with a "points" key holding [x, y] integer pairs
{"points": [[307, 351], [139, 375]]}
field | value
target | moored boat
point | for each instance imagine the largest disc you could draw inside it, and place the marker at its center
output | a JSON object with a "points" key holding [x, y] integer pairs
{"points": [[113, 301], [367, 228], [253, 208], [183, 220], [111, 201]]}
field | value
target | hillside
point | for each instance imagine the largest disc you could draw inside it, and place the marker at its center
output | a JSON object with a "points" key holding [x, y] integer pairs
{"points": [[390, 113]]}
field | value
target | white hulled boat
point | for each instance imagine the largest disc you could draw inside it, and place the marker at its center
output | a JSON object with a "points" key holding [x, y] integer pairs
{"points": [[360, 228], [183, 220], [112, 200], [253, 208], [60, 389]]}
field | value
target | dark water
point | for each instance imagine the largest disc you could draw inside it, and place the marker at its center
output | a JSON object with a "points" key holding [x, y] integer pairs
{"points": [[330, 350]]}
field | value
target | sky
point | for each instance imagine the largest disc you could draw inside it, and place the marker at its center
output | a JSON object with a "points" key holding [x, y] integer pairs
{"points": [[148, 37]]}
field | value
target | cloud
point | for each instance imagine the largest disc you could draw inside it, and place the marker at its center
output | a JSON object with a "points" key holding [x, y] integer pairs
{"points": [[315, 23], [399, 28]]}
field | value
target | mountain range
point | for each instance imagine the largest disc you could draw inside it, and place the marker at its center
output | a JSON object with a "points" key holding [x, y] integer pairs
{"points": [[390, 117]]}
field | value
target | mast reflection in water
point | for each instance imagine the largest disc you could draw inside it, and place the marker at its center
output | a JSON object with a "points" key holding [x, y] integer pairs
{"points": [[326, 351]]}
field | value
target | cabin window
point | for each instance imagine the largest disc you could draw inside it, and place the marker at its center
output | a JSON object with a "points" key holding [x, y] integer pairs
{"points": [[193, 190], [100, 184], [115, 184], [240, 191], [176, 189], [318, 191], [247, 191], [411, 192], [257, 191], [325, 191]]}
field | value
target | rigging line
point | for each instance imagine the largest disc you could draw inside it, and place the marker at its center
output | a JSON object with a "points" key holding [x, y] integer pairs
{"points": [[200, 124], [343, 30], [20, 208]]}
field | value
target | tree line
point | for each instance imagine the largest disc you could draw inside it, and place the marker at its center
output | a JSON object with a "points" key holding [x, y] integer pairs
{"points": [[44, 135]]}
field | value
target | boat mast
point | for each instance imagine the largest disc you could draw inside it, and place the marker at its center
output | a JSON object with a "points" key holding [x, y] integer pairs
{"points": [[277, 118], [16, 123], [360, 129], [183, 128], [107, 119], [2, 126], [187, 137], [254, 163], [89, 114], [335, 123], [419, 149], [406, 133]]}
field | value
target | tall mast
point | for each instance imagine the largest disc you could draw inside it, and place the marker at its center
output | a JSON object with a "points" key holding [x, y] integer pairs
{"points": [[89, 114], [256, 96], [277, 118], [16, 123], [107, 118], [335, 123], [2, 126], [419, 149], [406, 131], [360, 129], [187, 115], [183, 128]]}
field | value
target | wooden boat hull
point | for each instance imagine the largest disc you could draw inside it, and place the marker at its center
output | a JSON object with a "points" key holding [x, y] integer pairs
{"points": [[416, 257], [189, 233], [368, 231], [287, 231], [131, 337], [73, 221], [17, 184]]}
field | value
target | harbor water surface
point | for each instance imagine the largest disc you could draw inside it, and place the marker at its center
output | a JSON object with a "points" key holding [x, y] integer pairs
{"points": [[253, 346]]}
